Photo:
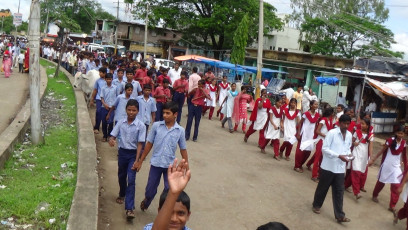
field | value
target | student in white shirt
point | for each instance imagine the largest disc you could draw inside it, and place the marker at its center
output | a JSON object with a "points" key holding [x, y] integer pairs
{"points": [[21, 58], [336, 150]]}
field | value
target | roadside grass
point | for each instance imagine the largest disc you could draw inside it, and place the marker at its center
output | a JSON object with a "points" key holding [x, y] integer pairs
{"points": [[40, 180]]}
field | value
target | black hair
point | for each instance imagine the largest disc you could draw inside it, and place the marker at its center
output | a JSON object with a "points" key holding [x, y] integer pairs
{"points": [[293, 99], [202, 82], [243, 88], [400, 128], [195, 69], [340, 94], [128, 85], [147, 86], [112, 67], [344, 118], [166, 81], [150, 72], [233, 84], [311, 103], [129, 70], [109, 75], [172, 106], [341, 106], [143, 64], [102, 70], [209, 69], [328, 112], [183, 198], [120, 70], [368, 123], [273, 226], [184, 73], [225, 76], [263, 90], [132, 102], [278, 98]]}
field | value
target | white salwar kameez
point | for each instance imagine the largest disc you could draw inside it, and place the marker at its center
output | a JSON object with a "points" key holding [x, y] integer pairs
{"points": [[223, 93], [228, 106], [271, 132], [390, 171], [360, 152], [289, 126], [212, 102], [261, 118], [307, 133]]}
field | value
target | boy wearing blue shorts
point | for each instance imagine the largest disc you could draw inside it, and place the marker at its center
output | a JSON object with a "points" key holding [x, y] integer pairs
{"points": [[132, 132], [164, 135]]}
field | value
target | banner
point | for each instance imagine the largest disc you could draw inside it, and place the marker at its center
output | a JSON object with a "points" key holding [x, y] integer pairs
{"points": [[17, 19]]}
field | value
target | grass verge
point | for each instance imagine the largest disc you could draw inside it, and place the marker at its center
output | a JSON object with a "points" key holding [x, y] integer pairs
{"points": [[38, 182]]}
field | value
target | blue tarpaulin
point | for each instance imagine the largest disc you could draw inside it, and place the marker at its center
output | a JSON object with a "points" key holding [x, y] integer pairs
{"points": [[327, 80]]}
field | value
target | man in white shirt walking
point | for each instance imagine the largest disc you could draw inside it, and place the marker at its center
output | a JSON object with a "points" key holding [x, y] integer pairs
{"points": [[336, 152], [174, 73]]}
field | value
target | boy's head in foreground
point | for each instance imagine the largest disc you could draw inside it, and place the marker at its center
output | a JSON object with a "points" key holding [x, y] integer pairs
{"points": [[181, 210]]}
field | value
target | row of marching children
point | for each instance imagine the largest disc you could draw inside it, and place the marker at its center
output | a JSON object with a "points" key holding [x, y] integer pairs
{"points": [[284, 120]]}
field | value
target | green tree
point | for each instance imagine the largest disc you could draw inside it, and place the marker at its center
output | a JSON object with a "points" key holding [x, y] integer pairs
{"points": [[240, 41], [344, 28], [8, 24], [208, 23], [77, 15]]}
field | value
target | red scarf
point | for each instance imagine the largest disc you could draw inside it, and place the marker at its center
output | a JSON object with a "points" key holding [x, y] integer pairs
{"points": [[224, 86], [287, 114], [328, 122], [265, 104], [309, 117], [359, 133], [398, 151], [212, 89], [275, 112]]}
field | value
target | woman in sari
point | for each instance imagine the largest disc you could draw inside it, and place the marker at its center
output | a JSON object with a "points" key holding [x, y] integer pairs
{"points": [[7, 64], [27, 61], [240, 114], [228, 107]]}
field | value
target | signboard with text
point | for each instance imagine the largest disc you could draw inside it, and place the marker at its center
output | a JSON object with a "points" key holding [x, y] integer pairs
{"points": [[17, 19]]}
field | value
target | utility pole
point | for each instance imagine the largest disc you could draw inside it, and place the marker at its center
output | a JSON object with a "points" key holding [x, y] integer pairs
{"points": [[260, 51], [145, 35], [35, 80], [117, 25], [18, 11], [46, 21]]}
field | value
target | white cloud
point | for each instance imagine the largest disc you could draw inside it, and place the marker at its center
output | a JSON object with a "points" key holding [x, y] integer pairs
{"points": [[402, 44]]}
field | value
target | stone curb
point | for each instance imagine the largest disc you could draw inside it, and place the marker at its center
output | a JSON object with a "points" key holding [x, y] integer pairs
{"points": [[15, 132], [84, 208]]}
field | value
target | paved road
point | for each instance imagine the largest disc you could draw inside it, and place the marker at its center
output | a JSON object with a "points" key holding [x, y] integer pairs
{"points": [[13, 93], [234, 186]]}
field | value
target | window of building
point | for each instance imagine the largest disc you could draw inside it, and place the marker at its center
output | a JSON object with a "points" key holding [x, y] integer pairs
{"points": [[174, 35], [164, 34], [270, 47], [279, 49], [286, 50], [137, 30], [100, 26], [273, 47]]}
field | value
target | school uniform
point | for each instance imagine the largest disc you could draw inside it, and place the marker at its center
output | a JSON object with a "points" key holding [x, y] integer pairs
{"points": [[150, 226], [390, 170], [140, 74], [136, 89], [99, 84], [120, 107], [131, 134], [259, 118], [327, 125], [271, 133], [179, 95], [165, 143], [289, 132], [90, 66], [211, 103], [222, 93], [146, 108], [161, 78], [161, 101], [120, 85], [360, 162], [109, 94], [307, 134], [195, 111]]}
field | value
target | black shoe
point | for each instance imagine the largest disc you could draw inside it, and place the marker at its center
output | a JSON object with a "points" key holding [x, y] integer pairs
{"points": [[195, 140]]}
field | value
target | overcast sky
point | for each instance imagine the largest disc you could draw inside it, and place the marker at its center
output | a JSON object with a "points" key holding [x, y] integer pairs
{"points": [[397, 18]]}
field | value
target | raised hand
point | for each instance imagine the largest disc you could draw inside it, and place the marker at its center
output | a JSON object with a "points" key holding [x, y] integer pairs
{"points": [[178, 176]]}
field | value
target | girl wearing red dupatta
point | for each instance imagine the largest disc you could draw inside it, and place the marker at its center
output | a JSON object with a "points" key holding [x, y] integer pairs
{"points": [[291, 117], [240, 114], [273, 130], [390, 170], [362, 142], [259, 116], [305, 134], [325, 124]]}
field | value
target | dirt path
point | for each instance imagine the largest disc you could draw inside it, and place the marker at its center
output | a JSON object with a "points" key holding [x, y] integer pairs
{"points": [[234, 186], [14, 92]]}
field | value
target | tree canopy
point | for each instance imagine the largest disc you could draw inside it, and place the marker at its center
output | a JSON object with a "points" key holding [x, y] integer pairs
{"points": [[208, 23], [345, 28], [9, 27], [77, 15], [240, 41]]}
